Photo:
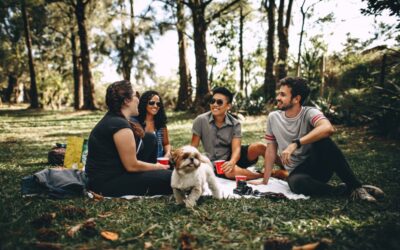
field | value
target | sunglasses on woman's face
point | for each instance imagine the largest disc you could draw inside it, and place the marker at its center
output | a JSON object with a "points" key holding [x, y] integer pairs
{"points": [[151, 103], [219, 102]]}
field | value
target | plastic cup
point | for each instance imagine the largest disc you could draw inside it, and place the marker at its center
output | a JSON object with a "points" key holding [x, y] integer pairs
{"points": [[218, 165], [163, 160], [240, 178]]}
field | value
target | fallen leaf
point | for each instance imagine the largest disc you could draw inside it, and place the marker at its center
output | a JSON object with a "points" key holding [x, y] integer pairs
{"points": [[73, 230], [186, 240], [89, 228], [72, 212], [109, 235], [96, 197], [48, 245], [323, 244], [105, 215], [278, 243], [148, 245]]}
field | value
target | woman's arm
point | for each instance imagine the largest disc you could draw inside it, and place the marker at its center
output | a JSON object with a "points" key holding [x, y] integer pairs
{"points": [[166, 145], [126, 147]]}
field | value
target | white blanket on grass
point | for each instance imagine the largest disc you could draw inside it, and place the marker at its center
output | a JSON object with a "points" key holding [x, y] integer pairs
{"points": [[226, 187]]}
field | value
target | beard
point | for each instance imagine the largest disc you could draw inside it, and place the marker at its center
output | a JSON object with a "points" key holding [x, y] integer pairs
{"points": [[285, 107]]}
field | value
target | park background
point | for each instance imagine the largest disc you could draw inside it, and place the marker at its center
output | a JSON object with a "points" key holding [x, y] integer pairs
{"points": [[57, 58]]}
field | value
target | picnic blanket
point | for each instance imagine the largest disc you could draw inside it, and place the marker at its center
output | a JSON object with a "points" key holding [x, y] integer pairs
{"points": [[227, 186]]}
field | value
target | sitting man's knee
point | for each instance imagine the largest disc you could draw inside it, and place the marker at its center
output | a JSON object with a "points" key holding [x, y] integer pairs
{"points": [[298, 184]]}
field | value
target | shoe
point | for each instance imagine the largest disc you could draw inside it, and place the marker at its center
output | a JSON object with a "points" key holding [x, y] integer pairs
{"points": [[362, 194], [374, 191]]}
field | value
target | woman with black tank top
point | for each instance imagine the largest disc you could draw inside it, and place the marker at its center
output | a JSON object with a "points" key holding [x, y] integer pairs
{"points": [[112, 165]]}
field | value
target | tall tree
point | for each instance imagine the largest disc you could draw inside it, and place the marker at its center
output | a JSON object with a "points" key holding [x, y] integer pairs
{"points": [[126, 42], [12, 48], [88, 85], [269, 78], [185, 86], [33, 88], [283, 36], [200, 25]]}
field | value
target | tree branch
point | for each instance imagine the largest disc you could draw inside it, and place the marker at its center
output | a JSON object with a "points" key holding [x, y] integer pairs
{"points": [[219, 13]]}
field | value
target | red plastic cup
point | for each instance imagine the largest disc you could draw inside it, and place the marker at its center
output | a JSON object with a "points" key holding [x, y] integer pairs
{"points": [[163, 160], [218, 165], [240, 178]]}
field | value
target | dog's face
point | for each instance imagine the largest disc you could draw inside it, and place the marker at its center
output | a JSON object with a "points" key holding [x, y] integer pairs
{"points": [[187, 159]]}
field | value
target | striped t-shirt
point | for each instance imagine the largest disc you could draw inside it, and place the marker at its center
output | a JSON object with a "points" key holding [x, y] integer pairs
{"points": [[283, 130]]}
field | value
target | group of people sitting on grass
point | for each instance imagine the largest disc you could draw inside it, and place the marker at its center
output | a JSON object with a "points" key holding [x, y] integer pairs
{"points": [[125, 144]]}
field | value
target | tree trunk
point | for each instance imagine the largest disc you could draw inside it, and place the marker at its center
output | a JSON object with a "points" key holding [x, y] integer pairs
{"points": [[382, 74], [185, 87], [126, 45], [77, 72], [33, 90], [88, 86], [12, 82], [241, 67], [303, 16], [269, 79], [283, 35], [199, 35]]}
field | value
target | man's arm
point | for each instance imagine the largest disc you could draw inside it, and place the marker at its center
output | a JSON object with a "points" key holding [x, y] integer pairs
{"points": [[195, 140], [235, 147], [323, 129], [269, 160], [270, 156]]}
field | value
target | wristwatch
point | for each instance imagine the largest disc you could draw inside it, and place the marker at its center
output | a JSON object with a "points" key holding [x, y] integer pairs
{"points": [[297, 141]]}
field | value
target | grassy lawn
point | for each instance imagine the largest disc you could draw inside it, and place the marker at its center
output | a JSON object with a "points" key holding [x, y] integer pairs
{"points": [[26, 136]]}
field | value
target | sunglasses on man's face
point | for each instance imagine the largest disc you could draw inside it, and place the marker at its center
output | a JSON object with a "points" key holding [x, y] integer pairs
{"points": [[151, 103], [219, 102]]}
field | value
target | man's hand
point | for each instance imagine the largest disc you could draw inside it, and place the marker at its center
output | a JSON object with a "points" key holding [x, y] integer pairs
{"points": [[228, 166], [258, 182], [287, 153]]}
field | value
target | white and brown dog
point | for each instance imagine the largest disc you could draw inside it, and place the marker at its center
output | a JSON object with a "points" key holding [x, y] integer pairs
{"points": [[192, 171]]}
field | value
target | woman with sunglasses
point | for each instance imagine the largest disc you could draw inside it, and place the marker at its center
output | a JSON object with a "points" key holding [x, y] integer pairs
{"points": [[220, 134], [112, 165], [153, 119]]}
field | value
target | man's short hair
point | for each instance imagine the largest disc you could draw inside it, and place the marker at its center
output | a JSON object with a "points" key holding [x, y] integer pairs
{"points": [[223, 91], [298, 86]]}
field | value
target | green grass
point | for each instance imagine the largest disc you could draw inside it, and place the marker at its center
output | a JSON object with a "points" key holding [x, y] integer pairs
{"points": [[26, 136]]}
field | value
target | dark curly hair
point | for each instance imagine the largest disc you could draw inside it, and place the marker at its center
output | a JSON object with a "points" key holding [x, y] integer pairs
{"points": [[116, 94], [298, 86], [160, 119]]}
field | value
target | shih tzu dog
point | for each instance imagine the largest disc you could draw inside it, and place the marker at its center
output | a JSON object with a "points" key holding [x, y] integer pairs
{"points": [[192, 171]]}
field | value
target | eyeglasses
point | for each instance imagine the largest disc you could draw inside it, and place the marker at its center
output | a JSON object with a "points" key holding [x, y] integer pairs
{"points": [[151, 103], [219, 102]]}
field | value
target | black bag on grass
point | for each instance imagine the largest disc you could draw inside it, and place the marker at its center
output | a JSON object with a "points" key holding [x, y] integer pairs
{"points": [[55, 183]]}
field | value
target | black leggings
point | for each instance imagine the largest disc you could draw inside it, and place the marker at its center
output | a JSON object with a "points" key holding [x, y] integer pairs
{"points": [[311, 176], [142, 183]]}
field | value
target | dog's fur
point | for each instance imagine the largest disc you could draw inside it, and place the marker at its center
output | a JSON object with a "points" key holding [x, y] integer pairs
{"points": [[192, 171]]}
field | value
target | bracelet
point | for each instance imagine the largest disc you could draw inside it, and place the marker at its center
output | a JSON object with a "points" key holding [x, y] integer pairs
{"points": [[297, 141]]}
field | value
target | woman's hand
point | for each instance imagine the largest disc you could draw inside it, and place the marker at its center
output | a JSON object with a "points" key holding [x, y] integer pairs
{"points": [[161, 166]]}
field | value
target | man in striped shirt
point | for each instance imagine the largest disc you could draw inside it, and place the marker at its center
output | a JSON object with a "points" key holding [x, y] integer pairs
{"points": [[301, 136]]}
